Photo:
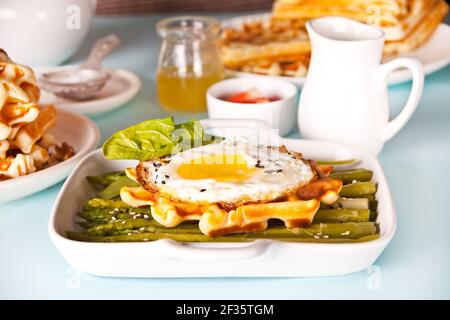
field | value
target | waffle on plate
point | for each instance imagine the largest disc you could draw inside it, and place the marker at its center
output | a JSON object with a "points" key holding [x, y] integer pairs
{"points": [[279, 45], [25, 143]]}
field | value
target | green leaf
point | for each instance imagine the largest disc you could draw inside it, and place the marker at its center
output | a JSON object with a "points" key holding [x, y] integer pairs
{"points": [[147, 140], [188, 135], [155, 138]]}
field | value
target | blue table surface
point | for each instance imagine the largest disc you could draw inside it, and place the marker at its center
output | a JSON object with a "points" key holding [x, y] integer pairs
{"points": [[416, 264]]}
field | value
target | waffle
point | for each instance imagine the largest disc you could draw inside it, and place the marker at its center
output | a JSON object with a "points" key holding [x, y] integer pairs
{"points": [[395, 17], [279, 45], [421, 31], [295, 210], [260, 40], [25, 145]]}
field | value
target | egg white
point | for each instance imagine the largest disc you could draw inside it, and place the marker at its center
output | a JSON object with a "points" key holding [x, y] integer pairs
{"points": [[273, 175]]}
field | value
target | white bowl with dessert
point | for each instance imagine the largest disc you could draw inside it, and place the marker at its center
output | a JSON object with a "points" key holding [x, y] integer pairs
{"points": [[270, 100]]}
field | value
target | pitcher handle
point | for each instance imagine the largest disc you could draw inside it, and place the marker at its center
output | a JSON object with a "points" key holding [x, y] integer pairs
{"points": [[416, 68]]}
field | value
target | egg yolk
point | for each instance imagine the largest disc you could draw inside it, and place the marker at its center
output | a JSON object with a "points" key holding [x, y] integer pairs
{"points": [[220, 167]]}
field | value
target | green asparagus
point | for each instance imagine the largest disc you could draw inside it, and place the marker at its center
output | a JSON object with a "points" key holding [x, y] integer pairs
{"points": [[113, 190], [342, 215], [105, 179], [338, 162], [358, 190], [348, 176], [344, 232], [348, 203], [106, 203]]}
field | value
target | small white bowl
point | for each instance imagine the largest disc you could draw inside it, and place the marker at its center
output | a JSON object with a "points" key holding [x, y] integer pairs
{"points": [[279, 115]]}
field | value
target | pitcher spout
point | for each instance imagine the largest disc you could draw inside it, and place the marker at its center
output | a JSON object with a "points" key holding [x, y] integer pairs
{"points": [[345, 38], [343, 29]]}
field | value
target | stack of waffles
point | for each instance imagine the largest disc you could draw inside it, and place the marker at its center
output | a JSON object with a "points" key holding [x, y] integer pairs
{"points": [[279, 45], [25, 144]]}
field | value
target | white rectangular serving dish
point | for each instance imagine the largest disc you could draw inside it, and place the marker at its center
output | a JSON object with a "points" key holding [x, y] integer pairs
{"points": [[262, 258]]}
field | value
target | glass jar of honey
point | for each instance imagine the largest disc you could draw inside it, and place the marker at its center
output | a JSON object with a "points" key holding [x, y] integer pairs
{"points": [[189, 62]]}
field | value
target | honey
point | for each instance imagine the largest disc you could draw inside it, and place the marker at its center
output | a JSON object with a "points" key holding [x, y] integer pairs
{"points": [[189, 62], [185, 93]]}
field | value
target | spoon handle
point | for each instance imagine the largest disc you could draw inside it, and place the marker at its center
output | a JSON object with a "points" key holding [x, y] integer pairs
{"points": [[101, 49]]}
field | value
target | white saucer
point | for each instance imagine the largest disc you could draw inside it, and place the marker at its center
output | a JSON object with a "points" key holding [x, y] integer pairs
{"points": [[121, 88], [79, 132], [434, 55]]}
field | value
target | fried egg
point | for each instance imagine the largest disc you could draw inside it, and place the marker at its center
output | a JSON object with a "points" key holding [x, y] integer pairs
{"points": [[232, 172]]}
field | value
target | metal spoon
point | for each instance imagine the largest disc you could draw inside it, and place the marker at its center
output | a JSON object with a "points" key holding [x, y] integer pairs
{"points": [[85, 82]]}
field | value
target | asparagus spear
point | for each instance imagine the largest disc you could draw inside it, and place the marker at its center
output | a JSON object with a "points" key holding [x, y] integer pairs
{"points": [[358, 190], [333, 230], [348, 176], [337, 162], [113, 190], [348, 203], [120, 225], [102, 215], [342, 215], [105, 179], [321, 230], [136, 237], [106, 203]]}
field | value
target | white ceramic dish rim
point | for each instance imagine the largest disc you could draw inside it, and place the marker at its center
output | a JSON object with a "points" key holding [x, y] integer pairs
{"points": [[80, 154], [105, 104], [396, 77], [234, 251]]}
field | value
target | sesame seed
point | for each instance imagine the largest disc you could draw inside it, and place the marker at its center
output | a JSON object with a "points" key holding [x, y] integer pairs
{"points": [[202, 190], [167, 176], [163, 182], [145, 216], [142, 228]]}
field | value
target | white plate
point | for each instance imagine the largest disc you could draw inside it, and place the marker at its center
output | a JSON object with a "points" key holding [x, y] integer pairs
{"points": [[121, 88], [262, 258], [435, 54], [79, 132]]}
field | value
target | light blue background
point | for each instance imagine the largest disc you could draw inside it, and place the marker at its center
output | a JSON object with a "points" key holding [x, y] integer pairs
{"points": [[416, 264]]}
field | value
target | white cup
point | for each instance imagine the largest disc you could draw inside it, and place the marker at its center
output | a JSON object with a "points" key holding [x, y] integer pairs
{"points": [[44, 32]]}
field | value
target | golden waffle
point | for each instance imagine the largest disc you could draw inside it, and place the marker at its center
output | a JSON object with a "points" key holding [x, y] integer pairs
{"points": [[30, 133], [18, 84], [290, 66], [261, 40], [24, 142], [397, 18], [17, 166], [18, 97], [394, 16], [215, 220], [421, 32], [264, 46]]}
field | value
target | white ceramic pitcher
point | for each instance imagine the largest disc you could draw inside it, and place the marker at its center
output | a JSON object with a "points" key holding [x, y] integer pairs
{"points": [[345, 98]]}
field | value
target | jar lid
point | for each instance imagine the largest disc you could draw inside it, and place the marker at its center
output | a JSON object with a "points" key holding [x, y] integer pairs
{"points": [[188, 26]]}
